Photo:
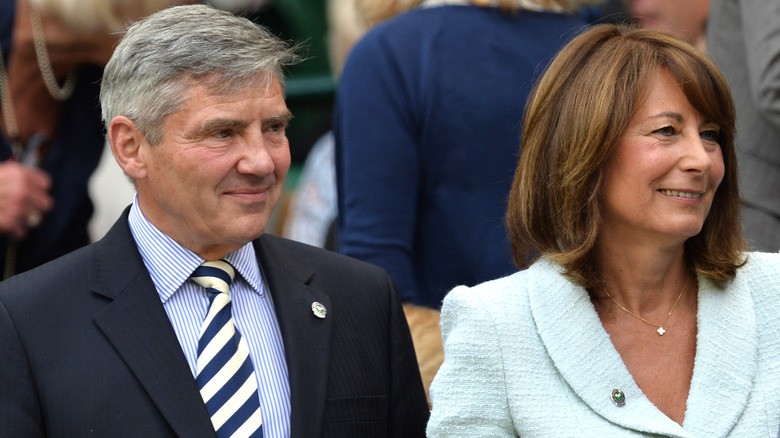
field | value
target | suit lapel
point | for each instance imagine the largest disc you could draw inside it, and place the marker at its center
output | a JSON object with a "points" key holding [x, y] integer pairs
{"points": [[306, 337], [137, 326]]}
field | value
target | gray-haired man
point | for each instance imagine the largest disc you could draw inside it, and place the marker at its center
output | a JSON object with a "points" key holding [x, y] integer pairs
{"points": [[111, 340]]}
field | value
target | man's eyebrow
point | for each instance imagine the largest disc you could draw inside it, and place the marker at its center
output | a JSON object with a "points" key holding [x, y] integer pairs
{"points": [[284, 117], [213, 125]]}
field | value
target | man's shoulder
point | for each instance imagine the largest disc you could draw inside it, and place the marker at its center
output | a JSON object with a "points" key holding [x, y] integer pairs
{"points": [[352, 282], [51, 287], [73, 264], [315, 258]]}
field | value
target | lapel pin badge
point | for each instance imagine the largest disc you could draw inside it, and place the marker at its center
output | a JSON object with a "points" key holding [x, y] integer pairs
{"points": [[618, 397], [318, 310]]}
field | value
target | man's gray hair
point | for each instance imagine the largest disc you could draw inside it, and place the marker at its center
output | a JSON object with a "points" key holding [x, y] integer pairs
{"points": [[164, 54]]}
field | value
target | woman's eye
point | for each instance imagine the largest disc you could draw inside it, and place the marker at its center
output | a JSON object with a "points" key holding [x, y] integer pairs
{"points": [[666, 131], [710, 135]]}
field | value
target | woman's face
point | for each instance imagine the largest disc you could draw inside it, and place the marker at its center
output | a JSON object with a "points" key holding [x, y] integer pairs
{"points": [[666, 169]]}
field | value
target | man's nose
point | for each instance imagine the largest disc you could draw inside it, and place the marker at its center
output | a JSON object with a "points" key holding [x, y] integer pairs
{"points": [[254, 158]]}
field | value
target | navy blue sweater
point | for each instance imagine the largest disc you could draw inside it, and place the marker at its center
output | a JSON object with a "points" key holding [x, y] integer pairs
{"points": [[427, 126]]}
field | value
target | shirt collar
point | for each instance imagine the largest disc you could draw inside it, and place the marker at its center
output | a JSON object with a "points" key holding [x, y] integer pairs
{"points": [[170, 264]]}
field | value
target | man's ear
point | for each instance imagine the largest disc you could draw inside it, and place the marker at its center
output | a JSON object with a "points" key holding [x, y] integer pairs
{"points": [[126, 142]]}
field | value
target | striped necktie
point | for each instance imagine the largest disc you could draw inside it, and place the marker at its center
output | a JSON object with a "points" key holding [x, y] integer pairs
{"points": [[224, 369]]}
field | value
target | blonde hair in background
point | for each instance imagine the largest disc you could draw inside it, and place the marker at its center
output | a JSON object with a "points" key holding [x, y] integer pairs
{"points": [[97, 16], [374, 12], [345, 27], [349, 20]]}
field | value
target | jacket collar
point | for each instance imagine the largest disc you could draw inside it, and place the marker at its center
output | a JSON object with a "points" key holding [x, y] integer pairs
{"points": [[135, 323], [587, 360], [306, 337]]}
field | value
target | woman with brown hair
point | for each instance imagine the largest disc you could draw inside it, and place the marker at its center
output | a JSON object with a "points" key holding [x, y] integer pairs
{"points": [[643, 315]]}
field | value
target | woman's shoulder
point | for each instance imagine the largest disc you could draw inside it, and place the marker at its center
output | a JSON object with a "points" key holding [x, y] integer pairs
{"points": [[491, 316], [768, 259], [760, 277], [505, 291], [762, 268], [512, 285]]}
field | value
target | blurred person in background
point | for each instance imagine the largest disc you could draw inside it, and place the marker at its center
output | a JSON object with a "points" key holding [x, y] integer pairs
{"points": [[313, 210], [239, 6], [312, 213], [426, 123], [686, 18], [52, 136], [744, 40]]}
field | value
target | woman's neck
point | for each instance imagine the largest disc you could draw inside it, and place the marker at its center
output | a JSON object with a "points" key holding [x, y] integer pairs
{"points": [[642, 279]]}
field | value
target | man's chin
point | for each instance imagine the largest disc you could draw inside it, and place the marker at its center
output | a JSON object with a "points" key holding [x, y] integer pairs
{"points": [[250, 227]]}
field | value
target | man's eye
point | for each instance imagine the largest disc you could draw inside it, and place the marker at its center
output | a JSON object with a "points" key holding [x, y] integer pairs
{"points": [[225, 133]]}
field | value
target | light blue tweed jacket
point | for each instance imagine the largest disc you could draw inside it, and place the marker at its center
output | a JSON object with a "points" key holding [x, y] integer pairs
{"points": [[526, 355]]}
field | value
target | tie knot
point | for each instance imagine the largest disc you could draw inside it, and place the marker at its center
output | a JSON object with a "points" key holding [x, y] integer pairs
{"points": [[215, 276]]}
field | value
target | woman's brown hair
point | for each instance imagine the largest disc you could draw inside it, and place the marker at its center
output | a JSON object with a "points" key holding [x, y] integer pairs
{"points": [[574, 118]]}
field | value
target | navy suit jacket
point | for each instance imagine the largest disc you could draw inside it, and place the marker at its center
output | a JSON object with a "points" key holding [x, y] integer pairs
{"points": [[86, 348]]}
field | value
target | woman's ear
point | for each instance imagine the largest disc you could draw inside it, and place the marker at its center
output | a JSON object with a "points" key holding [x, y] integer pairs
{"points": [[126, 141]]}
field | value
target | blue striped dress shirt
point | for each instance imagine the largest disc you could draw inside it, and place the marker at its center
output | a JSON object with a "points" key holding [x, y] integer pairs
{"points": [[186, 304]]}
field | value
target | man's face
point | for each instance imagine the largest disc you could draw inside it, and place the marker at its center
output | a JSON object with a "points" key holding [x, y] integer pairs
{"points": [[213, 181]]}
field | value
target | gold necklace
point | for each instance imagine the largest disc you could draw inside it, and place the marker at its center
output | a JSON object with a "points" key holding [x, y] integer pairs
{"points": [[660, 330]]}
